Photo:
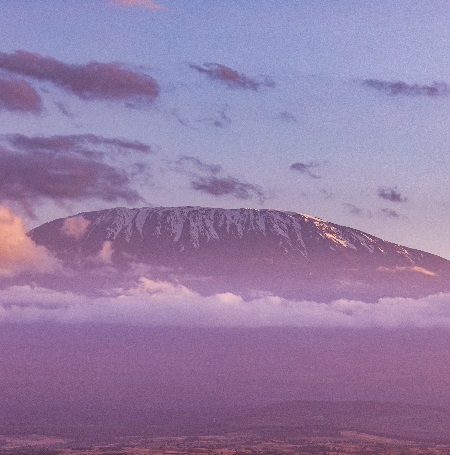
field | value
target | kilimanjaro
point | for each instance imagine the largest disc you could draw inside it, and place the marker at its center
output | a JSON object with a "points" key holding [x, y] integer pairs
{"points": [[250, 252]]}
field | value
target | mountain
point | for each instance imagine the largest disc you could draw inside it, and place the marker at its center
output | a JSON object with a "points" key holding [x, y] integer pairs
{"points": [[244, 251]]}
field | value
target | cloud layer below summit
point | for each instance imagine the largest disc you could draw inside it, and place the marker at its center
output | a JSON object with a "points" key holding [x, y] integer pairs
{"points": [[160, 303]]}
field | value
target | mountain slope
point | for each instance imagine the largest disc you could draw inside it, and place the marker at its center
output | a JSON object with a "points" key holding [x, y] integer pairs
{"points": [[246, 251]]}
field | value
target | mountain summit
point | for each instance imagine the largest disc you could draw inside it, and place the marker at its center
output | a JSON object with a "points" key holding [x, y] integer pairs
{"points": [[245, 251]]}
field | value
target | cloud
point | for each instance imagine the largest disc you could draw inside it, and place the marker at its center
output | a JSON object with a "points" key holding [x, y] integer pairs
{"points": [[69, 168], [191, 164], [414, 269], [105, 254], [93, 80], [436, 89], [211, 179], [287, 117], [391, 194], [84, 144], [18, 95], [18, 253], [354, 210], [148, 4], [160, 303], [63, 109], [306, 169], [29, 178], [219, 120], [390, 213], [220, 186], [231, 78], [75, 227]]}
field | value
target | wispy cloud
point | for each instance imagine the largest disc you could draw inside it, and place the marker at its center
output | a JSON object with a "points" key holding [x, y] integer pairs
{"points": [[213, 180], [413, 269], [219, 120], [93, 80], [104, 256], [75, 227], [85, 144], [306, 168], [389, 213], [221, 186], [147, 4], [357, 211], [232, 78], [287, 117], [18, 95], [436, 89], [391, 194], [63, 109]]}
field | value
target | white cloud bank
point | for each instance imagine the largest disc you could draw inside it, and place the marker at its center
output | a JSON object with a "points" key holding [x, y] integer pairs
{"points": [[160, 303]]}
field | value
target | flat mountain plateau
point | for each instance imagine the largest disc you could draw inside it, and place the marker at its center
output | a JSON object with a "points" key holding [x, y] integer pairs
{"points": [[248, 252]]}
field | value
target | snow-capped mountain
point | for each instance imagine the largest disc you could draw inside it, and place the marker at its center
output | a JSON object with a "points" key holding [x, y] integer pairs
{"points": [[248, 251]]}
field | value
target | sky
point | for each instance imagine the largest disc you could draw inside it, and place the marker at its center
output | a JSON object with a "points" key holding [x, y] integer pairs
{"points": [[339, 110]]}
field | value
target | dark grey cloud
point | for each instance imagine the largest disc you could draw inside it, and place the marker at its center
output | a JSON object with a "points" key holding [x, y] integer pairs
{"points": [[220, 186], [435, 89], [391, 194], [93, 80], [68, 168], [63, 109], [357, 211], [221, 119], [85, 144], [29, 178], [232, 78], [181, 119], [18, 95], [354, 210], [306, 169], [213, 180], [287, 117], [390, 213], [192, 165], [327, 194]]}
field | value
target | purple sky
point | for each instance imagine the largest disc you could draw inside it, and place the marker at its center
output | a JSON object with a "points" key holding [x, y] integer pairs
{"points": [[335, 109]]}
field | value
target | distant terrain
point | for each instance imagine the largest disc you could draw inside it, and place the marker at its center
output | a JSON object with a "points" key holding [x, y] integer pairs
{"points": [[290, 420], [95, 383], [349, 443], [288, 423]]}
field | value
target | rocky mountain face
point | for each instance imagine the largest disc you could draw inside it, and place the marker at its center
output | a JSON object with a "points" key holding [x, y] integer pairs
{"points": [[245, 251]]}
